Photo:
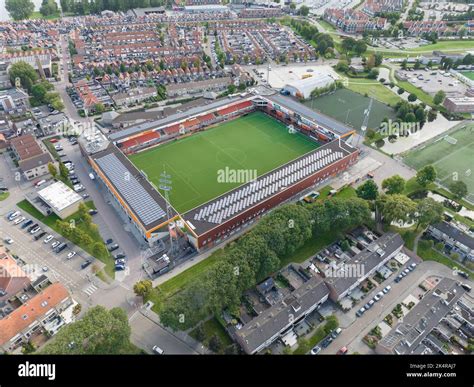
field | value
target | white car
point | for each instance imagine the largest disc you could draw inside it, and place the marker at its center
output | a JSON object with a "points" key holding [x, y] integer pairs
{"points": [[158, 350], [55, 244], [35, 230], [387, 289], [378, 296], [71, 254], [19, 220], [9, 241], [48, 239], [15, 215]]}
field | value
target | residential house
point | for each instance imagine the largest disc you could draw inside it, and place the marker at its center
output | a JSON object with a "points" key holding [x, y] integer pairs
{"points": [[453, 237]]}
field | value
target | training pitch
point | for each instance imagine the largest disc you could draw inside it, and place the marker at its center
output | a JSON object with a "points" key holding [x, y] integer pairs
{"points": [[349, 107], [252, 145], [468, 74], [450, 160]]}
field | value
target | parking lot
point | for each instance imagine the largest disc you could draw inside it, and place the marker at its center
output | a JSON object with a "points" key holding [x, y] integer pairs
{"points": [[431, 81]]}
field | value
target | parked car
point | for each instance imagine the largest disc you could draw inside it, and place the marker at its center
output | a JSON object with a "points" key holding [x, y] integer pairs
{"points": [[378, 296], [119, 267], [120, 261], [48, 239], [342, 351], [325, 343], [463, 274], [85, 196], [360, 312], [412, 267], [93, 212], [158, 350], [26, 223], [19, 220], [119, 255], [399, 278], [32, 227], [109, 241], [85, 264], [40, 235], [61, 247], [71, 254], [406, 271], [113, 247], [9, 241], [336, 332], [316, 350], [466, 287], [55, 244], [387, 289], [35, 230], [14, 215]]}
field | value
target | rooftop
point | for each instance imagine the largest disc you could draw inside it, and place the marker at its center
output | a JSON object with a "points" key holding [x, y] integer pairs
{"points": [[59, 196], [30, 311], [455, 234]]}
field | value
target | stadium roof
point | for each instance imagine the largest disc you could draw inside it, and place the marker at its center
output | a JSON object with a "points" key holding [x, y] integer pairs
{"points": [[140, 196], [327, 122], [117, 136], [240, 199]]}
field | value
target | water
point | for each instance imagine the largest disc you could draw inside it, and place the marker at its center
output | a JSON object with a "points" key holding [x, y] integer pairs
{"points": [[4, 14]]}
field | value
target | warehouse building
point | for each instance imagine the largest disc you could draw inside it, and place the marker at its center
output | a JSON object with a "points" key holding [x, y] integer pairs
{"points": [[62, 200], [302, 88]]}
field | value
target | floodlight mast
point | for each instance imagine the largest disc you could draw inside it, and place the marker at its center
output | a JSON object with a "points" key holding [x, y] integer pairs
{"points": [[363, 127], [165, 186]]}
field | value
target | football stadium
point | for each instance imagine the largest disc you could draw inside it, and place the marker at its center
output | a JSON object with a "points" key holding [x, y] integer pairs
{"points": [[214, 169]]}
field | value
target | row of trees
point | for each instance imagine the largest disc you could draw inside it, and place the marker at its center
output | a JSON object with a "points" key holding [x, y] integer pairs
{"points": [[99, 332], [85, 7], [256, 255], [323, 43]]}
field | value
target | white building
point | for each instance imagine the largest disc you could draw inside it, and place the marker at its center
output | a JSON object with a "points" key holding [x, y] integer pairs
{"points": [[62, 200], [302, 88]]}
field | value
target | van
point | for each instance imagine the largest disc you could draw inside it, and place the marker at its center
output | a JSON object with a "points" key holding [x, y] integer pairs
{"points": [[466, 287]]}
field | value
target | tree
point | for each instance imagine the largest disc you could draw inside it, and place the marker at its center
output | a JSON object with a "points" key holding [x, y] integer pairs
{"points": [[428, 211], [199, 333], [303, 11], [458, 188], [368, 190], [49, 7], [348, 44], [432, 114], [215, 344], [19, 9], [25, 72], [99, 332], [439, 97], [63, 171], [231, 89], [393, 185], [52, 169], [99, 250], [143, 288], [373, 74], [412, 97], [99, 107], [400, 90], [426, 175], [395, 207], [360, 47]]}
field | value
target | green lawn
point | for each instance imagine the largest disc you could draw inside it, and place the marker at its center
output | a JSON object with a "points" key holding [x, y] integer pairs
{"points": [[50, 221], [452, 46], [420, 94], [4, 195], [212, 327], [375, 89], [448, 158], [255, 143]]}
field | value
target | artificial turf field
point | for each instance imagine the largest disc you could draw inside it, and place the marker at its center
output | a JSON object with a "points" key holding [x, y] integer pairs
{"points": [[468, 74], [448, 159], [253, 142]]}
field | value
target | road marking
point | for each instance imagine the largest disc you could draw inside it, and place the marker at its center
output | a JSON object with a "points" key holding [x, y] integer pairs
{"points": [[89, 290]]}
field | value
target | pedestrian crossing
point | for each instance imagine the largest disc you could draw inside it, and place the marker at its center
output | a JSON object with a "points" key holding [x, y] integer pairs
{"points": [[90, 289]]}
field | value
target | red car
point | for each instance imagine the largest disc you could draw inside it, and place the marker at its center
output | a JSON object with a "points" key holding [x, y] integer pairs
{"points": [[342, 351], [54, 140]]}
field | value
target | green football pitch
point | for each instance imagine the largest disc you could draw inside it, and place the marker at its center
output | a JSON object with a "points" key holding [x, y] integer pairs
{"points": [[254, 143], [450, 160]]}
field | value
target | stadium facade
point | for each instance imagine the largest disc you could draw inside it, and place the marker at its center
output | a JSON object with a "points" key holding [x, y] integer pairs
{"points": [[213, 222]]}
